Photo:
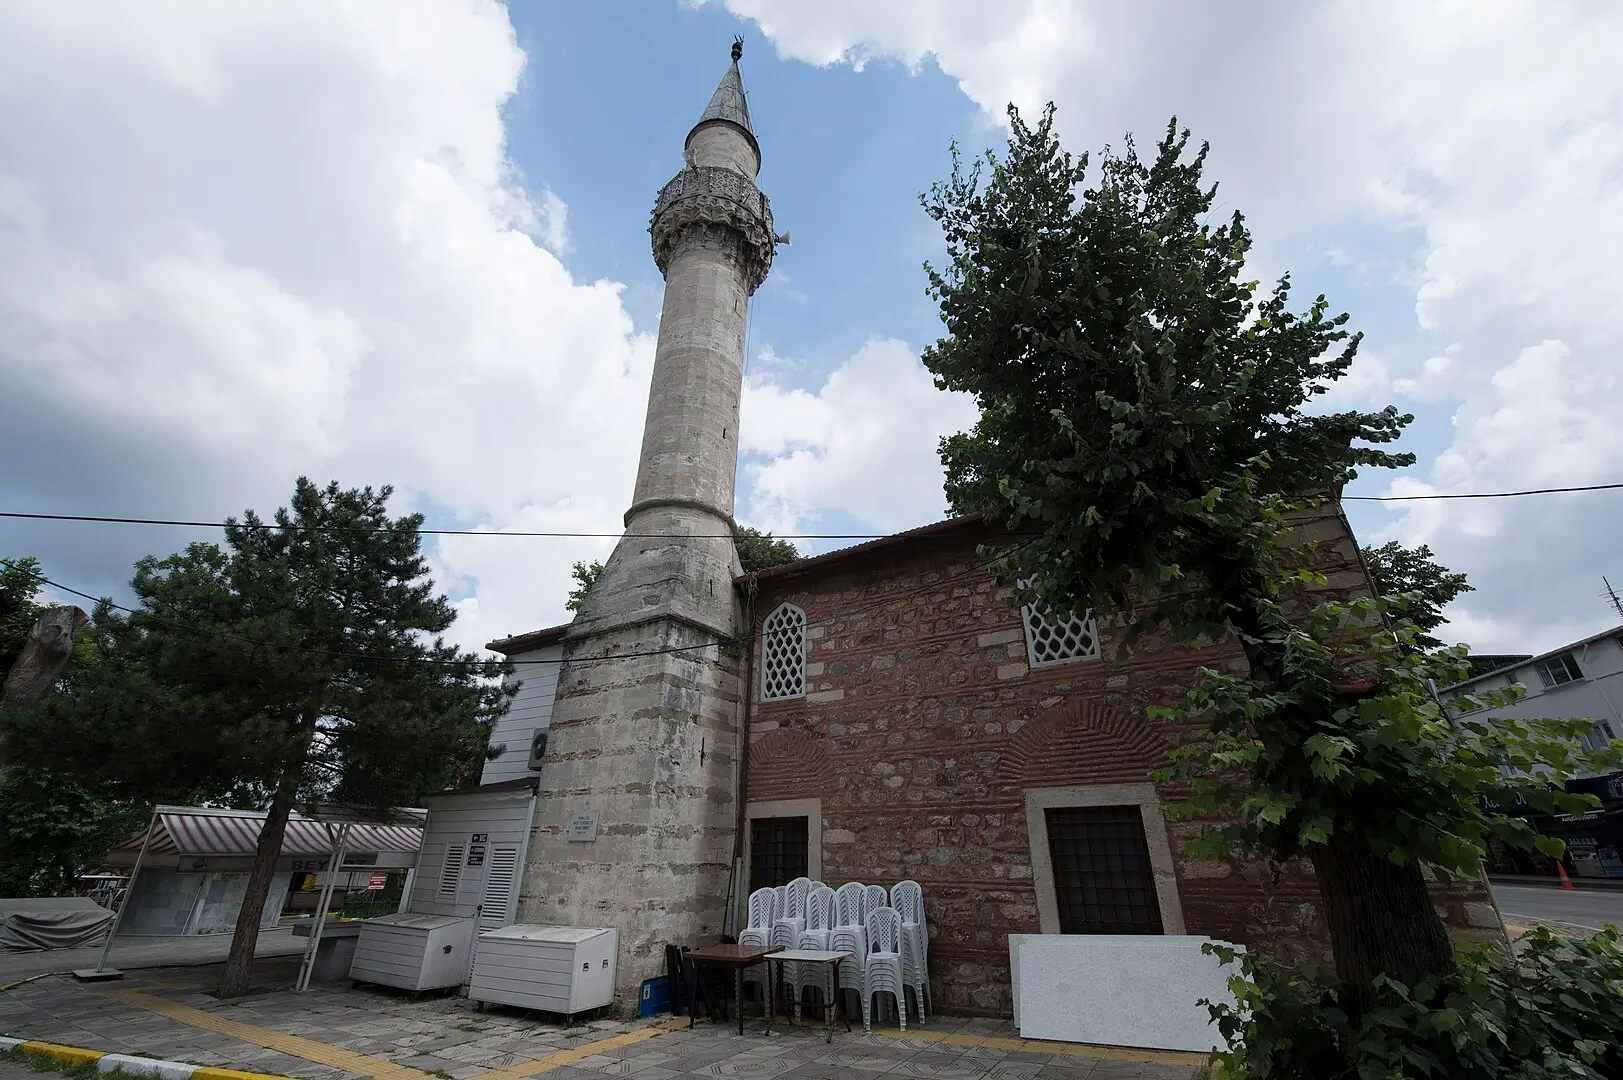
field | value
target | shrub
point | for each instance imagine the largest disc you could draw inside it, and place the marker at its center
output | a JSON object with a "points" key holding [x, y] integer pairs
{"points": [[1554, 1009]]}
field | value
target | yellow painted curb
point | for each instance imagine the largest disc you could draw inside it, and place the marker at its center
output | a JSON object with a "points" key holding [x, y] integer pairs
{"points": [[580, 1053], [71, 1055]]}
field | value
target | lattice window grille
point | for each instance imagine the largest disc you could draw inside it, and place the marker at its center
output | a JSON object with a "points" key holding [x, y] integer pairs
{"points": [[498, 888], [1103, 882], [783, 654], [1049, 641], [451, 876]]}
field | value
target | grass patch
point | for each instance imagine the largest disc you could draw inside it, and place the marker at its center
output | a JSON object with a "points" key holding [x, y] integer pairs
{"points": [[43, 1063]]}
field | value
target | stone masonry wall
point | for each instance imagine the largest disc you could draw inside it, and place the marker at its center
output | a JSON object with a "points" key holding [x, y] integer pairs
{"points": [[923, 728]]}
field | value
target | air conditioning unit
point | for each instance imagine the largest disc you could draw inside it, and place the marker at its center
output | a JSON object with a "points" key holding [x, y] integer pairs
{"points": [[538, 750]]}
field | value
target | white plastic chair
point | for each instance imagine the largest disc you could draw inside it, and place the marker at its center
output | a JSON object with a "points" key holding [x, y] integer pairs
{"points": [[763, 909], [848, 904], [882, 965], [760, 937], [853, 940], [796, 893], [819, 924], [873, 897], [786, 935], [907, 897]]}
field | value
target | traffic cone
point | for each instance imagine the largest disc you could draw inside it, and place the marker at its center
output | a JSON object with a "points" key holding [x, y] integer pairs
{"points": [[1566, 882]]}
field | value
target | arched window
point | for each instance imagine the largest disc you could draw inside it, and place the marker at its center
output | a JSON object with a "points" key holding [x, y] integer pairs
{"points": [[1052, 641], [783, 654]]}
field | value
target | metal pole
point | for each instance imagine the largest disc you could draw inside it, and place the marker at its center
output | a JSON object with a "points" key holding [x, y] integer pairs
{"points": [[337, 856], [129, 891]]}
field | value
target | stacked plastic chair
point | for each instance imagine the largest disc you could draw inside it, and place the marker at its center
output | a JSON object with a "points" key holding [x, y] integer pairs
{"points": [[786, 935], [819, 925], [848, 904], [795, 894], [763, 912], [907, 897], [873, 897], [853, 940], [882, 965]]}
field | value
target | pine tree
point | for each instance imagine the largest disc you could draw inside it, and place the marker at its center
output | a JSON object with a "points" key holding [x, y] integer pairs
{"points": [[301, 660]]}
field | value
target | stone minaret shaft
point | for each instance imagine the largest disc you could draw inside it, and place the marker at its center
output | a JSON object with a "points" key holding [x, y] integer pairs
{"points": [[649, 741]]}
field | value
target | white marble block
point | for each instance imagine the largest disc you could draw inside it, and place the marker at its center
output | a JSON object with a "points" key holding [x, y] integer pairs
{"points": [[1118, 990]]}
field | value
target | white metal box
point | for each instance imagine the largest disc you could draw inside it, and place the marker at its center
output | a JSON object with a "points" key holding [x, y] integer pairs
{"points": [[558, 969], [413, 952]]}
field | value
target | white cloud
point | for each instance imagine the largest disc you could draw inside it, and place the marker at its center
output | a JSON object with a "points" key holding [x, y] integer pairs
{"points": [[864, 443], [238, 242], [1486, 139]]}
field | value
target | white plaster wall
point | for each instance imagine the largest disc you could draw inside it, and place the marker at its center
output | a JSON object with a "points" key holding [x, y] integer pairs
{"points": [[530, 712], [1596, 696]]}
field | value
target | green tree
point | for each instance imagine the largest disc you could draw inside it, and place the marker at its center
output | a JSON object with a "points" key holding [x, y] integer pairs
{"points": [[757, 550], [585, 575], [302, 660], [1424, 585], [1144, 429], [53, 827]]}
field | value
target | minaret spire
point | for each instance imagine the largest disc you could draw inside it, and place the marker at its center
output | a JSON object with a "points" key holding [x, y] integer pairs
{"points": [[728, 105]]}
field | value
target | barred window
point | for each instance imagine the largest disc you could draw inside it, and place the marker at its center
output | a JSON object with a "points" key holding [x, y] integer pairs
{"points": [[783, 654], [779, 848], [1051, 641], [1103, 883]]}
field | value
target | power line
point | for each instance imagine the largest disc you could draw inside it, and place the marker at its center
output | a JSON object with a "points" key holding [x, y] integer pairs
{"points": [[561, 534], [349, 655], [1482, 494], [110, 520]]}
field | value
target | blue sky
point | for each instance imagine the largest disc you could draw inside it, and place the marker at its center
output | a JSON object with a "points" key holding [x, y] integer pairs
{"points": [[406, 243]]}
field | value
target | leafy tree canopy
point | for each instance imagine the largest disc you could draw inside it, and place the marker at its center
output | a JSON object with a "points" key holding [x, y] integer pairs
{"points": [[1145, 437], [1424, 584], [53, 827], [303, 659]]}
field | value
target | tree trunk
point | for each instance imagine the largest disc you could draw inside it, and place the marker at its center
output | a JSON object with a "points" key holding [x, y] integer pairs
{"points": [[246, 936], [43, 657], [1381, 919]]}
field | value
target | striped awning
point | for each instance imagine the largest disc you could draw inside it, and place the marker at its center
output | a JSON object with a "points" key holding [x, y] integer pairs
{"points": [[197, 831]]}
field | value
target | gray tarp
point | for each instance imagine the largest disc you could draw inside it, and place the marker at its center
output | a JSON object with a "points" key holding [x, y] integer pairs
{"points": [[52, 924]]}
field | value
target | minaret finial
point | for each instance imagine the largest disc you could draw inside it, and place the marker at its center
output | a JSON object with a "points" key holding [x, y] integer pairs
{"points": [[738, 47]]}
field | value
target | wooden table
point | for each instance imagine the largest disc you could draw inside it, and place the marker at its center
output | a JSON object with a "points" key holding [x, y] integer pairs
{"points": [[736, 957], [810, 956]]}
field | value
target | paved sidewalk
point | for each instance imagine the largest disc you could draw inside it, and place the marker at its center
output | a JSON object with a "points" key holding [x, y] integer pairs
{"points": [[131, 952], [336, 1032]]}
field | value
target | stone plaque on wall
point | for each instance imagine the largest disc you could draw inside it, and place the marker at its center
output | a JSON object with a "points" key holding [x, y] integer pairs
{"points": [[582, 827]]}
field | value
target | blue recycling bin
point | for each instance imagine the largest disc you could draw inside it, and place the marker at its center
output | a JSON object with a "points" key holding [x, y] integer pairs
{"points": [[656, 997]]}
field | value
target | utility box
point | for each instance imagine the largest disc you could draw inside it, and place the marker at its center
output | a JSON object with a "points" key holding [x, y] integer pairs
{"points": [[413, 951], [557, 969]]}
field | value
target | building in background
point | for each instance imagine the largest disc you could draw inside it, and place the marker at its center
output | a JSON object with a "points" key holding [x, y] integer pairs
{"points": [[1583, 680]]}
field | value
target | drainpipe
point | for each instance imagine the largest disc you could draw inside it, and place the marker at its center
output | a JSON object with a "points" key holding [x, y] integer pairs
{"points": [[736, 889]]}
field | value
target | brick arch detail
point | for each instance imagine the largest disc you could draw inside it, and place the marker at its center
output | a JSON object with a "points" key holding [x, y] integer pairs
{"points": [[788, 764], [1082, 743]]}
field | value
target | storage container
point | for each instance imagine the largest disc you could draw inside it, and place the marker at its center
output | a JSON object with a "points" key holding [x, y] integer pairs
{"points": [[413, 951], [557, 969]]}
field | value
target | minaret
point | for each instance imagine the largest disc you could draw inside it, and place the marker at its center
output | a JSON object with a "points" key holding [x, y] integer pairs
{"points": [[649, 743]]}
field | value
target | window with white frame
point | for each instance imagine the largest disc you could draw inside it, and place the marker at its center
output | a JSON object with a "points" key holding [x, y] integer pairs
{"points": [[783, 654], [1059, 641], [1558, 670]]}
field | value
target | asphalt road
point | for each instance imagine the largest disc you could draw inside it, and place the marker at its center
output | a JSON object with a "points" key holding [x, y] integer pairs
{"points": [[1576, 907]]}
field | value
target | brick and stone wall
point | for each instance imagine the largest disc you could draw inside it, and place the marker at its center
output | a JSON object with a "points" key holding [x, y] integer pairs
{"points": [[923, 727]]}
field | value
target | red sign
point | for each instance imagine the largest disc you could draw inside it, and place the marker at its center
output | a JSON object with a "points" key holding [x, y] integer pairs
{"points": [[377, 882]]}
